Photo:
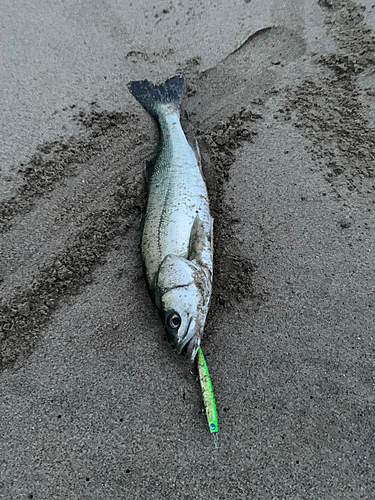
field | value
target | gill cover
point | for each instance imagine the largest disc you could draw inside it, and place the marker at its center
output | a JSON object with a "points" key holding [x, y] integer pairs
{"points": [[174, 272]]}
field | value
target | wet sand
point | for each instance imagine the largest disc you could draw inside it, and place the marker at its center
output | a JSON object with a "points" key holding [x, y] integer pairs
{"points": [[94, 401]]}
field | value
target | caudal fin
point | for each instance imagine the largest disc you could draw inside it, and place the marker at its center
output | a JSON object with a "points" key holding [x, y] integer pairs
{"points": [[151, 96]]}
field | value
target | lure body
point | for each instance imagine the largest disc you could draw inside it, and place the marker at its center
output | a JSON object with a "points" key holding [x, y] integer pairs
{"points": [[207, 392]]}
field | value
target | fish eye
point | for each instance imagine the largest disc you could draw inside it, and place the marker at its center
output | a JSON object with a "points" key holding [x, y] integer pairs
{"points": [[174, 321]]}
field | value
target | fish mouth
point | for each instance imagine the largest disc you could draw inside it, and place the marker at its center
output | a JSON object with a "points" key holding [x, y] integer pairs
{"points": [[191, 341]]}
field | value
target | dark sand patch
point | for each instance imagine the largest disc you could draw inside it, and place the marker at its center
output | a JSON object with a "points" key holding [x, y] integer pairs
{"points": [[329, 109], [56, 160]]}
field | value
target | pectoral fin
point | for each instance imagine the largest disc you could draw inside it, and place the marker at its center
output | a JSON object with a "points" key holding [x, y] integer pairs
{"points": [[197, 240]]}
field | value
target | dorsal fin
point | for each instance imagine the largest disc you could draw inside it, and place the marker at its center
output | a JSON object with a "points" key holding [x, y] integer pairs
{"points": [[195, 147]]}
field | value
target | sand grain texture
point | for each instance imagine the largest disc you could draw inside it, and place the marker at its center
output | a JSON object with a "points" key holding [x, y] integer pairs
{"points": [[94, 401]]}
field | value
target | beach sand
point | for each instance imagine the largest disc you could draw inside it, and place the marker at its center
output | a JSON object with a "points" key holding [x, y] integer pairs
{"points": [[94, 402]]}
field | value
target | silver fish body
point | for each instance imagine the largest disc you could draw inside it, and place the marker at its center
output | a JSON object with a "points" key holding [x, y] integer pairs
{"points": [[177, 250]]}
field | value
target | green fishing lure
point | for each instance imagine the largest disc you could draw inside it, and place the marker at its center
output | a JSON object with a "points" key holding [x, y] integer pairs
{"points": [[207, 392]]}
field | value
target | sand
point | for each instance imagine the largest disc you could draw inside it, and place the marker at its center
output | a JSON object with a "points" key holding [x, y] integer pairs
{"points": [[95, 404]]}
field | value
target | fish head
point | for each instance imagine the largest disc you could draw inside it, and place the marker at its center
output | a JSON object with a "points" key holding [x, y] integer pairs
{"points": [[182, 318], [183, 295]]}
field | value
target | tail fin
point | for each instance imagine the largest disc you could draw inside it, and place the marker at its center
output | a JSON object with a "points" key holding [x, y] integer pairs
{"points": [[150, 96]]}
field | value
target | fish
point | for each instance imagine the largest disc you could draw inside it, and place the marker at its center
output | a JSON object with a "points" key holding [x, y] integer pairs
{"points": [[177, 235]]}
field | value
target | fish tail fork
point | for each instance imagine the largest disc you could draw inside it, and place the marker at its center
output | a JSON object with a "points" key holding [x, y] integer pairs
{"points": [[152, 96]]}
